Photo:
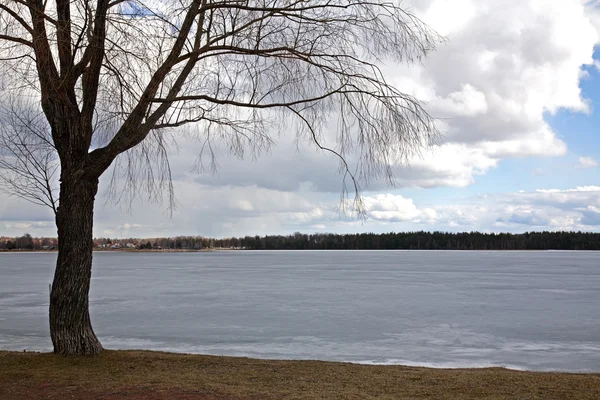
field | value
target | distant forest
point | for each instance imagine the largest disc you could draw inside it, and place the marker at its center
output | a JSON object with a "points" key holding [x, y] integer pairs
{"points": [[420, 241], [385, 241], [329, 241]]}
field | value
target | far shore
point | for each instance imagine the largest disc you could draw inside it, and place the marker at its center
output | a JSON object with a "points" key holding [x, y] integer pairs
{"points": [[133, 250], [137, 375], [97, 249]]}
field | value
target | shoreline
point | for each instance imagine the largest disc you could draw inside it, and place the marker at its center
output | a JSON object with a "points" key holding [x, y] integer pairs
{"points": [[117, 251], [100, 250], [406, 363], [135, 374]]}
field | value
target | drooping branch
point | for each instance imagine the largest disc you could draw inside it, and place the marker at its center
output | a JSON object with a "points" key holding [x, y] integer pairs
{"points": [[345, 168], [129, 70], [28, 163]]}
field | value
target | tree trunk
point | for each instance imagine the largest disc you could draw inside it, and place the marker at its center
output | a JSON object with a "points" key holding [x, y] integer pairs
{"points": [[70, 326]]}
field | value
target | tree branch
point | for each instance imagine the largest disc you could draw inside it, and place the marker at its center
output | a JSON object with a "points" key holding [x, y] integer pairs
{"points": [[16, 40]]}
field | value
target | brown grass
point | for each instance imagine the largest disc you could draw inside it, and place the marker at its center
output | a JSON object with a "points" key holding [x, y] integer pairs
{"points": [[153, 375]]}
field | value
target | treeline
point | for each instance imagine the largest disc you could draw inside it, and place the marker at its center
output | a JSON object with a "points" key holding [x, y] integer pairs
{"points": [[167, 243], [329, 241], [419, 241], [27, 242]]}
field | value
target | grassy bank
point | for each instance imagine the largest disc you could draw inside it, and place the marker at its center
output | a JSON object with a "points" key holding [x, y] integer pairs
{"points": [[151, 375]]}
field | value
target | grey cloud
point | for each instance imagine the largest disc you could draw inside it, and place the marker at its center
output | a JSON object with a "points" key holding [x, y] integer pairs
{"points": [[590, 217], [14, 209], [527, 219]]}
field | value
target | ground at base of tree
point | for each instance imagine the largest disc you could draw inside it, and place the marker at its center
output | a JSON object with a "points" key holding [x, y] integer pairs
{"points": [[136, 375]]}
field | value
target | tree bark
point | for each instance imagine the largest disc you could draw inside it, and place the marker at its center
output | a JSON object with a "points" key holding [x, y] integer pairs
{"points": [[70, 325]]}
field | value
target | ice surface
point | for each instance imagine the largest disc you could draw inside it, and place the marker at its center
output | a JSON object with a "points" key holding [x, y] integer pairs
{"points": [[521, 310]]}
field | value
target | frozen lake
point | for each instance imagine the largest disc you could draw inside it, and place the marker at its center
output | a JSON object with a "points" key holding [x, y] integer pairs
{"points": [[528, 310]]}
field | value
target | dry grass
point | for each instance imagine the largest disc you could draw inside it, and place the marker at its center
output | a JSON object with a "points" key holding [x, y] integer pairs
{"points": [[154, 375]]}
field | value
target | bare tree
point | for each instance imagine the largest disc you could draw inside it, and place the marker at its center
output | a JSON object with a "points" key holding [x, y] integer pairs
{"points": [[113, 77]]}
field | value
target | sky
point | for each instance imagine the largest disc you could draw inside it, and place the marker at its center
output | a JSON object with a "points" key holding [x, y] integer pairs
{"points": [[516, 93]]}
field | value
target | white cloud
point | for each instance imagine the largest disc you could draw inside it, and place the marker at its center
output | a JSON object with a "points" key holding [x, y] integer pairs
{"points": [[544, 209], [467, 102], [587, 162], [219, 211], [27, 225], [233, 211], [450, 17], [505, 65], [391, 208]]}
